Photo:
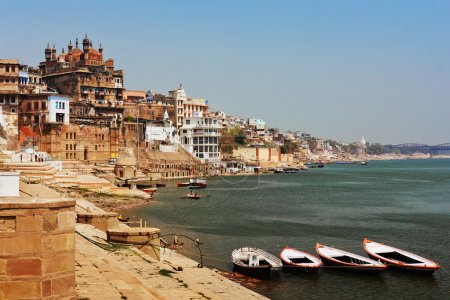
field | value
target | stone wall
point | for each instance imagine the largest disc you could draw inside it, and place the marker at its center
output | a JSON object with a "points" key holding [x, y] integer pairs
{"points": [[37, 248]]}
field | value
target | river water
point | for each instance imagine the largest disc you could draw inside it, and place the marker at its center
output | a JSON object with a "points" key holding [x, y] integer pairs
{"points": [[401, 203]]}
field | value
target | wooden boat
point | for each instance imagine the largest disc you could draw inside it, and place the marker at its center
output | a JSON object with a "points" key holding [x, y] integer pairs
{"points": [[182, 184], [160, 185], [193, 196], [293, 258], [255, 262], [150, 190], [399, 258], [347, 260], [200, 182], [143, 185], [364, 163]]}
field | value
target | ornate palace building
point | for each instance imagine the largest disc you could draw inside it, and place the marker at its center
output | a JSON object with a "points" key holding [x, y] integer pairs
{"points": [[83, 75]]}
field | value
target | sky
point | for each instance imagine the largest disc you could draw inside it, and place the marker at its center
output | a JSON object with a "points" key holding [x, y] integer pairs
{"points": [[335, 69]]}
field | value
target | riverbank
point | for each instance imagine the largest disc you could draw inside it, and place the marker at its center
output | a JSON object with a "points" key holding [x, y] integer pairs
{"points": [[105, 271]]}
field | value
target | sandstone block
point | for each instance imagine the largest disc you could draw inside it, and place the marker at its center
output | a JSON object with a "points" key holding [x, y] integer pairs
{"points": [[50, 221], [7, 224], [20, 290], [61, 242], [31, 223], [24, 243], [63, 286], [59, 263], [24, 267], [3, 266], [66, 220], [46, 288]]}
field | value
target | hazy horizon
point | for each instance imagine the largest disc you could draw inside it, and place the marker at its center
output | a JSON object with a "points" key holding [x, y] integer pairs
{"points": [[336, 69]]}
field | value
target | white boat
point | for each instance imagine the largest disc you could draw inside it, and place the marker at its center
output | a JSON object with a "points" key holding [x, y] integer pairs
{"points": [[294, 258], [347, 260], [198, 182], [255, 262], [399, 258]]}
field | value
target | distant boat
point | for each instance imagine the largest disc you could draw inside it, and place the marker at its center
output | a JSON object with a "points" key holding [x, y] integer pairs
{"points": [[293, 258], [149, 190], [347, 260], [182, 184], [197, 182], [364, 163], [255, 262], [193, 196], [160, 185], [278, 170], [399, 258]]}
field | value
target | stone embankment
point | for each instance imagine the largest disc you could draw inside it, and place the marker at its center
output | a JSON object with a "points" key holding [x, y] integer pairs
{"points": [[112, 271]]}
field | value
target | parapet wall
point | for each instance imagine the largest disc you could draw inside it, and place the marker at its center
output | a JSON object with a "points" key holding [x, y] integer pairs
{"points": [[37, 248]]}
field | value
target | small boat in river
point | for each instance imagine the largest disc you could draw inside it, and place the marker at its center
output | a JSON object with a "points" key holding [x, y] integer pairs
{"points": [[150, 190], [160, 185], [346, 260], [197, 182], [398, 258], [255, 262], [182, 184], [296, 259]]}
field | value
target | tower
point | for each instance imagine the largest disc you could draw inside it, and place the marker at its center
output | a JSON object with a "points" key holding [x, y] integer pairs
{"points": [[70, 45], [100, 49], [86, 44], [48, 53], [53, 53]]}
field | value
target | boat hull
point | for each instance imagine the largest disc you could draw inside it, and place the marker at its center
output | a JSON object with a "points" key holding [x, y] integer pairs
{"points": [[182, 184], [264, 272], [359, 268], [405, 268]]}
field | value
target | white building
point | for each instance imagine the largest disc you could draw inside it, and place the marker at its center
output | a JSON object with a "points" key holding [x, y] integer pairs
{"points": [[58, 109], [161, 131], [200, 136]]}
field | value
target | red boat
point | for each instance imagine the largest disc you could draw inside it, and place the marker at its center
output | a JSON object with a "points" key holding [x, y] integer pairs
{"points": [[182, 184], [398, 258], [150, 190]]}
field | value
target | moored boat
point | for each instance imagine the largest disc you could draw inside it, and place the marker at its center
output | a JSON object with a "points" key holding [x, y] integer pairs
{"points": [[198, 182], [160, 185], [399, 258], [255, 262], [364, 163], [182, 184], [150, 190], [346, 260], [293, 258]]}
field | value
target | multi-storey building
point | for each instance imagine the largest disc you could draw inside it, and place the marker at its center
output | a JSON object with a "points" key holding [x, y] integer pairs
{"points": [[200, 136], [9, 99], [186, 107], [83, 74]]}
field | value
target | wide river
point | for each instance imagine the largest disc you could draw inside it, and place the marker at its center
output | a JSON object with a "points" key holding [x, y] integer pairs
{"points": [[401, 203]]}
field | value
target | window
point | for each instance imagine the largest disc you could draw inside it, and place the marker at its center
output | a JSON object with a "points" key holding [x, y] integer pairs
{"points": [[7, 69], [12, 99], [36, 105], [74, 135], [44, 105], [67, 155], [67, 135], [188, 122], [13, 110], [63, 105], [28, 105], [67, 146], [95, 147]]}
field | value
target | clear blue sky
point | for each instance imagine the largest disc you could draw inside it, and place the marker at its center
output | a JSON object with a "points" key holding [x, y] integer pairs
{"points": [[336, 69]]}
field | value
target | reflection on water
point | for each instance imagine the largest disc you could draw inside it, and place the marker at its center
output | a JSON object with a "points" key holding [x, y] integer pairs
{"points": [[402, 203]]}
